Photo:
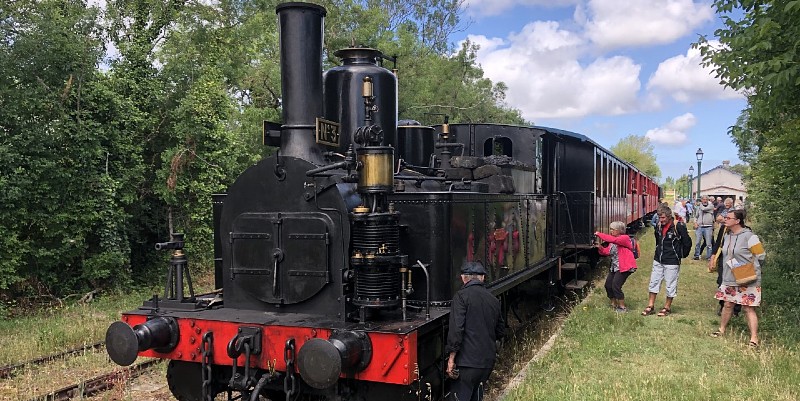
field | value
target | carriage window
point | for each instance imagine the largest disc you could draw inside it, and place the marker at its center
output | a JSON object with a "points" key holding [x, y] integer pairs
{"points": [[497, 146]]}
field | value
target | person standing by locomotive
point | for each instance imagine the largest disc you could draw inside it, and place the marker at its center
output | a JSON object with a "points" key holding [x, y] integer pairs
{"points": [[476, 322], [672, 244], [623, 263]]}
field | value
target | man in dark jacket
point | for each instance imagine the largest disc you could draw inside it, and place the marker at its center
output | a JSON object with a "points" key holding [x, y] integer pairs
{"points": [[476, 322], [672, 244]]}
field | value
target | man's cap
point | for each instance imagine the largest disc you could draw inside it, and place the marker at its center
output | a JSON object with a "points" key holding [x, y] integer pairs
{"points": [[472, 268]]}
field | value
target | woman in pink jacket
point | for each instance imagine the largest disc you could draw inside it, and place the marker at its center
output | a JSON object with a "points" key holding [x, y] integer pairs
{"points": [[620, 247]]}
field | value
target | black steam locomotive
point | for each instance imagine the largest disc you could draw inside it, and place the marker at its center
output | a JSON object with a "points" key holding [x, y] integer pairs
{"points": [[338, 256]]}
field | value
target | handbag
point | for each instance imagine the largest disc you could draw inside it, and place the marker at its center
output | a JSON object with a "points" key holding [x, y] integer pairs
{"points": [[745, 274], [712, 264]]}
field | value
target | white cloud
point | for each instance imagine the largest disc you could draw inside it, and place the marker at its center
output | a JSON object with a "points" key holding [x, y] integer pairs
{"points": [[485, 8], [613, 23], [545, 79], [684, 79], [674, 133]]}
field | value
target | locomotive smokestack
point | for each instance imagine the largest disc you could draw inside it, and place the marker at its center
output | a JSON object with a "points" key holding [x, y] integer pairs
{"points": [[301, 78]]}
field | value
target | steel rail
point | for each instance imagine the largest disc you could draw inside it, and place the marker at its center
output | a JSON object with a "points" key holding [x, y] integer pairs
{"points": [[97, 384], [11, 370]]}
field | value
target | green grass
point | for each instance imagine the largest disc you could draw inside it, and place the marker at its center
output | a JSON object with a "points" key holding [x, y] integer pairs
{"points": [[602, 355], [59, 329]]}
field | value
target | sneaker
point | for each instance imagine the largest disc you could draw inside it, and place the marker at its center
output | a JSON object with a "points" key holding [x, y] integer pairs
{"points": [[696, 258], [621, 310]]}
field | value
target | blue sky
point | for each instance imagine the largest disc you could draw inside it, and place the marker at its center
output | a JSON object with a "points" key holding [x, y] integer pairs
{"points": [[608, 69]]}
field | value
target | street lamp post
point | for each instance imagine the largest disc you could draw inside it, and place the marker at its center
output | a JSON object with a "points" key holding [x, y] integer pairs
{"points": [[691, 173], [699, 155]]}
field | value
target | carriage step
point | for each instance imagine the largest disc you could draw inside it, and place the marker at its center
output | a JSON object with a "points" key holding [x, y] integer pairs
{"points": [[569, 266], [576, 284], [573, 266]]}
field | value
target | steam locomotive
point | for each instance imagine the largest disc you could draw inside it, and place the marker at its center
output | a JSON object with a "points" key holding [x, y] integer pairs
{"points": [[338, 256]]}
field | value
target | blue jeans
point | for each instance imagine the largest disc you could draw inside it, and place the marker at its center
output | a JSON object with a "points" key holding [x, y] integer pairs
{"points": [[707, 233]]}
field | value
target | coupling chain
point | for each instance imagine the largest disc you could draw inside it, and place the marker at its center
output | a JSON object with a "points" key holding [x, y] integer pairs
{"points": [[206, 349], [289, 383]]}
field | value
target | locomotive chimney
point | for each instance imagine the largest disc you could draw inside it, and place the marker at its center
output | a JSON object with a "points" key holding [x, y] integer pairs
{"points": [[301, 78]]}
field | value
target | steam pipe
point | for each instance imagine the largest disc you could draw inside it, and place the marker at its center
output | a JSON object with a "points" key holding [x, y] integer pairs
{"points": [[427, 291]]}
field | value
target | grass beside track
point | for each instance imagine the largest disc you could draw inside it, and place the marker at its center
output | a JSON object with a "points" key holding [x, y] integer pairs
{"points": [[59, 329], [604, 355]]}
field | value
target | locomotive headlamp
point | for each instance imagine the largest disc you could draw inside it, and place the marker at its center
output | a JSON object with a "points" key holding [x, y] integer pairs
{"points": [[321, 362]]}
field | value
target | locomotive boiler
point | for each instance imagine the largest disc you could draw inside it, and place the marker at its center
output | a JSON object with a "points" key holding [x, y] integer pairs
{"points": [[339, 255]]}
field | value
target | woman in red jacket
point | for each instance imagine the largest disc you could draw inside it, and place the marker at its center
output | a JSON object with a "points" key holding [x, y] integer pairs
{"points": [[620, 247]]}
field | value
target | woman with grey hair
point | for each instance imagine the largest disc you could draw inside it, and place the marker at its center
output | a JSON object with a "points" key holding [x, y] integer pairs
{"points": [[620, 247]]}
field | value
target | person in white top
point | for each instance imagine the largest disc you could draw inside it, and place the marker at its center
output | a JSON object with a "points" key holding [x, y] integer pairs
{"points": [[679, 210]]}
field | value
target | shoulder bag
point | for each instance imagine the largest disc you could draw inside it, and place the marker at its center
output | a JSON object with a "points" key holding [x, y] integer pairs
{"points": [[712, 264], [745, 274]]}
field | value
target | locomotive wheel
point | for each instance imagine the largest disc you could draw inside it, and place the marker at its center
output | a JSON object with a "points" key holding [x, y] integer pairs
{"points": [[186, 382]]}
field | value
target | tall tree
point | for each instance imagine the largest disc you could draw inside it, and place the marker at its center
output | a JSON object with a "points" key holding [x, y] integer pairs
{"points": [[60, 204], [759, 54], [638, 150]]}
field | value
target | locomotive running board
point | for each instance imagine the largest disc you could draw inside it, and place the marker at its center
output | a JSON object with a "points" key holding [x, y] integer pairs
{"points": [[508, 283]]}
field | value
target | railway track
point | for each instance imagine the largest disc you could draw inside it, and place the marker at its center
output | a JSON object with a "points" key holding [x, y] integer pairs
{"points": [[11, 370], [97, 384], [33, 371]]}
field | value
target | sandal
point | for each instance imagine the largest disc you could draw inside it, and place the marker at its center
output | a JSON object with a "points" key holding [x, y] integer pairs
{"points": [[648, 310], [664, 312], [753, 344], [717, 334]]}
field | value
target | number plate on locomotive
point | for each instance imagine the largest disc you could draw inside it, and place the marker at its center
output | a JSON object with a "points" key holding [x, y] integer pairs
{"points": [[327, 132]]}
